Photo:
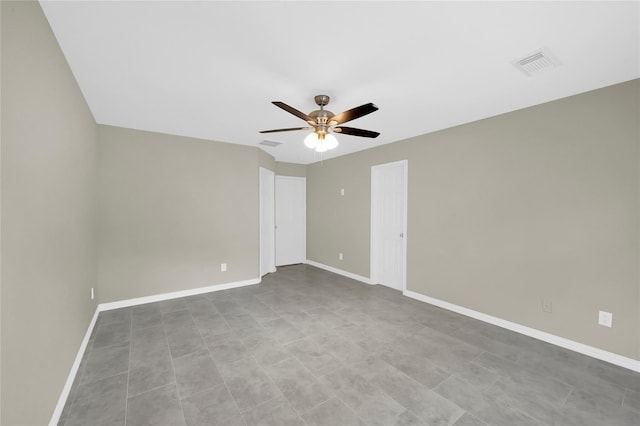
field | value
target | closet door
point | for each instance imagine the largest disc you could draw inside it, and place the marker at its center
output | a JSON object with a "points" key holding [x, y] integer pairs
{"points": [[291, 220]]}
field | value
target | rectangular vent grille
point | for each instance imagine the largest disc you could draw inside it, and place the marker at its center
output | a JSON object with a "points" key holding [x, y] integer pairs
{"points": [[537, 62], [272, 144]]}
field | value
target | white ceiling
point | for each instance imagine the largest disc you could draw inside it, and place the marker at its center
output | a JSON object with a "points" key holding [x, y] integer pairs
{"points": [[211, 69]]}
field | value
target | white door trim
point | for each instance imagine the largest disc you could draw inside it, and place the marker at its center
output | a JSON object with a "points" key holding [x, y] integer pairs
{"points": [[374, 273], [268, 220]]}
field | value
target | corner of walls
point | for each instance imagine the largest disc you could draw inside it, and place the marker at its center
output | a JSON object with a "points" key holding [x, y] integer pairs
{"points": [[266, 160], [48, 167], [172, 210]]}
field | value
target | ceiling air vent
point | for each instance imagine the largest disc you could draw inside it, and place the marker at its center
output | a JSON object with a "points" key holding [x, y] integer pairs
{"points": [[272, 144], [537, 62]]}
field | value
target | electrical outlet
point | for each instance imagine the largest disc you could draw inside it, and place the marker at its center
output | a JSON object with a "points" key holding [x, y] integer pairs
{"points": [[223, 267], [605, 319], [340, 256], [92, 294], [547, 306], [342, 192]]}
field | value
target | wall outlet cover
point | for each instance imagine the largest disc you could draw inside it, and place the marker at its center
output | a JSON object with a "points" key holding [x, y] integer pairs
{"points": [[605, 319]]}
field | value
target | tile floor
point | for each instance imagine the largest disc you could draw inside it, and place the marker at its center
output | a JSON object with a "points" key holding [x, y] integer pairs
{"points": [[307, 347]]}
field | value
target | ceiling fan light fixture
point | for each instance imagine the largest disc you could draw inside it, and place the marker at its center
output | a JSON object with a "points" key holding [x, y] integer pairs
{"points": [[323, 121], [320, 143], [311, 141], [330, 141], [322, 146]]}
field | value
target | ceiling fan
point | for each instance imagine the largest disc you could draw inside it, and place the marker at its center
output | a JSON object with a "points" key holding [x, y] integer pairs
{"points": [[324, 123]]}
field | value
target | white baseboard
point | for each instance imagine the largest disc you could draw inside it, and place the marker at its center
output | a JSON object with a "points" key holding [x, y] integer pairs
{"points": [[339, 271], [591, 351], [55, 418], [176, 294], [62, 400]]}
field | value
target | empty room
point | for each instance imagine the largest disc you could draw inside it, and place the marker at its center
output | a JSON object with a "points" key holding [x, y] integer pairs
{"points": [[320, 213]]}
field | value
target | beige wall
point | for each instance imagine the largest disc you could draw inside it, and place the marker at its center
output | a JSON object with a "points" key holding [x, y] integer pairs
{"points": [[171, 210], [538, 203], [48, 210], [265, 160], [291, 169]]}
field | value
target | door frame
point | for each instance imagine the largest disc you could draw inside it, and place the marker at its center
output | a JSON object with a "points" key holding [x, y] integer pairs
{"points": [[268, 216], [375, 229]]}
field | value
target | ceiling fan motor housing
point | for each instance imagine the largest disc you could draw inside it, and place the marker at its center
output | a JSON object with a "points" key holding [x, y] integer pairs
{"points": [[322, 100]]}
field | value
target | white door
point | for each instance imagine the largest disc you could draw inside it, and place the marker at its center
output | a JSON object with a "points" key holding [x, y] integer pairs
{"points": [[291, 220], [267, 222], [388, 224]]}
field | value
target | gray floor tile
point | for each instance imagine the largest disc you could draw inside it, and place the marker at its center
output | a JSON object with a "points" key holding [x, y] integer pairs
{"points": [[614, 374], [298, 385], [102, 402], [332, 413], [172, 305], [210, 407], [283, 331], [418, 368], [106, 361], [342, 349], [261, 312], [469, 420], [265, 349], [417, 398], [242, 321], [367, 400], [112, 334], [310, 346], [146, 316], [249, 384], [228, 350], [155, 372], [601, 409], [211, 326], [184, 340], [277, 412], [148, 345], [488, 343], [313, 356], [632, 400], [177, 320], [196, 372], [114, 316], [201, 306], [227, 306], [491, 410], [160, 406]]}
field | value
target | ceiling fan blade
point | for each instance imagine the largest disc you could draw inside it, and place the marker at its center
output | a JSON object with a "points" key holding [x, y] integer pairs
{"points": [[286, 130], [356, 132], [294, 111], [353, 113]]}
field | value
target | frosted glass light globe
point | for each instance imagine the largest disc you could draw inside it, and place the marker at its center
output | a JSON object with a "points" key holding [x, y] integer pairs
{"points": [[330, 141], [311, 140]]}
